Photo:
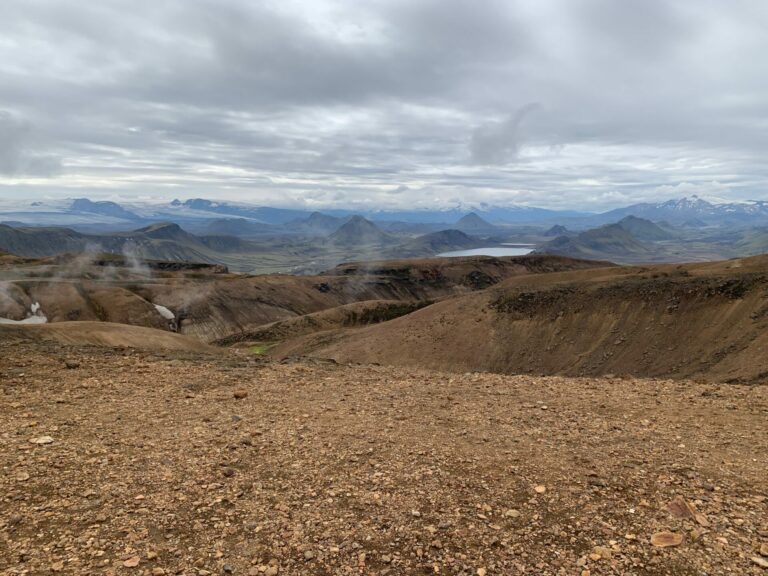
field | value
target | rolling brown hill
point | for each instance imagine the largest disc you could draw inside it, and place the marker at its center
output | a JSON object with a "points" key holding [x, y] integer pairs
{"points": [[699, 320], [107, 334], [210, 304]]}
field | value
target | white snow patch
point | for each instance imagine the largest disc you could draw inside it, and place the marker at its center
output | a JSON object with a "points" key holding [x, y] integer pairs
{"points": [[35, 316], [164, 312]]}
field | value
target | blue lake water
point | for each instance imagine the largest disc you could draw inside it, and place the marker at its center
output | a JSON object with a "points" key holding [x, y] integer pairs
{"points": [[516, 250]]}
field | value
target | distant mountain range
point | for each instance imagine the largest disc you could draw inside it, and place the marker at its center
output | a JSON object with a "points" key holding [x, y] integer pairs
{"points": [[198, 213], [613, 241], [165, 241], [693, 209], [103, 208], [266, 239], [436, 243], [355, 238]]}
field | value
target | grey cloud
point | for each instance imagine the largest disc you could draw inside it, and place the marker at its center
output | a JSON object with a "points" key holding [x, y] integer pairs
{"points": [[16, 156], [499, 142], [269, 101]]}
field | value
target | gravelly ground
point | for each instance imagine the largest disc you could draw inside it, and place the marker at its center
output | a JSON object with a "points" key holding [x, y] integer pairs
{"points": [[156, 467]]}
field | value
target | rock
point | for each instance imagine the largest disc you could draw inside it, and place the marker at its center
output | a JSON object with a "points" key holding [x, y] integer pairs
{"points": [[695, 535], [482, 572], [158, 572], [22, 476], [42, 440], [666, 539], [540, 489], [602, 552], [272, 571], [132, 562], [762, 562], [764, 549], [309, 555], [227, 569], [681, 508], [71, 364], [240, 394], [386, 558]]}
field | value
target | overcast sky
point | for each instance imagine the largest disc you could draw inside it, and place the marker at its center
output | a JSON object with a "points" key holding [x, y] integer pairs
{"points": [[584, 104]]}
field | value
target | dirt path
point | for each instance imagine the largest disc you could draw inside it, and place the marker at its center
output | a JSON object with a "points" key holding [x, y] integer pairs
{"points": [[154, 467]]}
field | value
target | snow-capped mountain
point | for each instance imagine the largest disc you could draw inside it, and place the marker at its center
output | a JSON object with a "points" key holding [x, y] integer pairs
{"points": [[684, 209]]}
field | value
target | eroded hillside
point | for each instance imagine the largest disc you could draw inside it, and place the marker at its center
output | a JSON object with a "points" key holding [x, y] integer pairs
{"points": [[703, 320], [210, 304]]}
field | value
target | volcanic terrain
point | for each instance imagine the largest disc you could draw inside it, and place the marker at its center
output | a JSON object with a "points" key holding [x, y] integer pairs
{"points": [[123, 461], [478, 416]]}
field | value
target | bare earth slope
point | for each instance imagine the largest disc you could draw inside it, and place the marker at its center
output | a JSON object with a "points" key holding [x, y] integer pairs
{"points": [[703, 320], [213, 305], [180, 463], [104, 334]]}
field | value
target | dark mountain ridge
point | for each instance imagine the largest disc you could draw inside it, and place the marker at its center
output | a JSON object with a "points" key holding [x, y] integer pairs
{"points": [[359, 231]]}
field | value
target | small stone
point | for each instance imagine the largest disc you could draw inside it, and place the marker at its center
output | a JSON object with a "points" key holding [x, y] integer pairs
{"points": [[227, 569], [512, 513], [158, 572], [666, 539], [22, 476], [240, 394], [309, 555], [386, 558], [695, 535], [540, 489], [764, 549], [681, 508], [603, 552], [272, 571], [482, 572], [71, 364], [762, 562], [132, 562], [42, 440]]}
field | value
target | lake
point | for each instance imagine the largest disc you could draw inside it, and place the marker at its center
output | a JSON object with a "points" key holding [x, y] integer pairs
{"points": [[511, 250]]}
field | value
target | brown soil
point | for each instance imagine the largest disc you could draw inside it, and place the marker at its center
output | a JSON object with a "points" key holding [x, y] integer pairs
{"points": [[701, 320], [195, 464], [348, 315], [103, 334]]}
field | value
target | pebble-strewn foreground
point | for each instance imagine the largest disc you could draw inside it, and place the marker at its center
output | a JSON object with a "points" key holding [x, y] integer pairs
{"points": [[126, 462]]}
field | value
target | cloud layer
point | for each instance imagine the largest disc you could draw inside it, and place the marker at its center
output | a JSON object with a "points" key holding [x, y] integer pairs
{"points": [[391, 103]]}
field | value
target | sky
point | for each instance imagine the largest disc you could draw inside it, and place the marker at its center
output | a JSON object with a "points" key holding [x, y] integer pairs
{"points": [[392, 104]]}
